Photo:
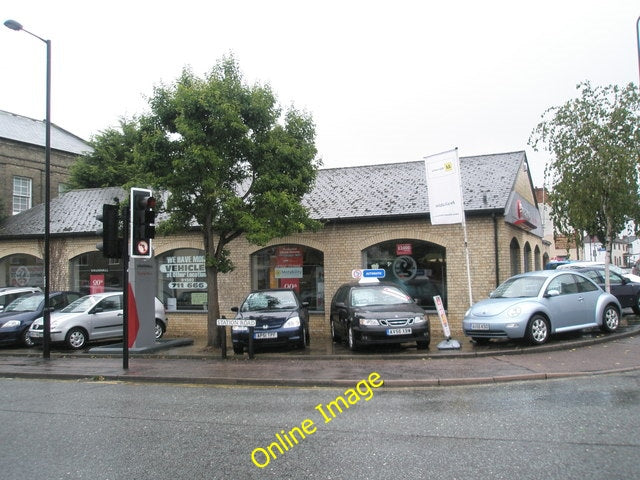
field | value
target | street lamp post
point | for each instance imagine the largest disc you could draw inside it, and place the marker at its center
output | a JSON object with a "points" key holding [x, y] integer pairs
{"points": [[13, 25]]}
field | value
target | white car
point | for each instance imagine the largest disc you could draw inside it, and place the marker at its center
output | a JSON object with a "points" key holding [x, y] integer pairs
{"points": [[92, 317]]}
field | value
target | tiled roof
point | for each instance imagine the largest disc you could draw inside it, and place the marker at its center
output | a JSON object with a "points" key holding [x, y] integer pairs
{"points": [[72, 213], [27, 130], [390, 190], [401, 188]]}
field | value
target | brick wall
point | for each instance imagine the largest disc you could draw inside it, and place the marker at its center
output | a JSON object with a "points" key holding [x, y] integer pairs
{"points": [[342, 245]]}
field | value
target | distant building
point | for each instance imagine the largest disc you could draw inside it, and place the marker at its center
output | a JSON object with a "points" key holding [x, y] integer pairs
{"points": [[560, 246], [22, 161]]}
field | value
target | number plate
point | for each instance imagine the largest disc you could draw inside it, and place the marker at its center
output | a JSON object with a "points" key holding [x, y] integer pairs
{"points": [[261, 335], [479, 326], [35, 334], [398, 331]]}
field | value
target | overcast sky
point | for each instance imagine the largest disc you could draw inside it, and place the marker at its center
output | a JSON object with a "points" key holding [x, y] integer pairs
{"points": [[384, 81]]}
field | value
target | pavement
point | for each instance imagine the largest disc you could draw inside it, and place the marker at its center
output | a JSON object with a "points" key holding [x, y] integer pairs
{"points": [[323, 364]]}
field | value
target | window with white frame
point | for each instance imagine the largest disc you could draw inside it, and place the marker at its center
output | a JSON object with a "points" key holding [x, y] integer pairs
{"points": [[21, 194]]}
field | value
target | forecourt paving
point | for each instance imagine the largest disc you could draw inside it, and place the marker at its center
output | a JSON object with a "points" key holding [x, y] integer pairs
{"points": [[327, 364]]}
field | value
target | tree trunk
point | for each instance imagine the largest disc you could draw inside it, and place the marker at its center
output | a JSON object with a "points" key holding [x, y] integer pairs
{"points": [[213, 308], [607, 256]]}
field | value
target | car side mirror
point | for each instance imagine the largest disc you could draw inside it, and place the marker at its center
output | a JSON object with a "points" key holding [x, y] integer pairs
{"points": [[305, 304], [552, 293], [97, 310], [340, 305], [234, 309]]}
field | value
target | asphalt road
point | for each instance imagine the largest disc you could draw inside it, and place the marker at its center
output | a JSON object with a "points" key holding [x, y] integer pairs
{"points": [[573, 428]]}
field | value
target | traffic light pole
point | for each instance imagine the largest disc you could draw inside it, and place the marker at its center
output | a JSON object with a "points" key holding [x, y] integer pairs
{"points": [[125, 287]]}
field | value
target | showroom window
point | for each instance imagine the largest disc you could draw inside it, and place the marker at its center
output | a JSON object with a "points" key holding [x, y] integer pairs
{"points": [[417, 266], [92, 273], [182, 279], [291, 266], [21, 270]]}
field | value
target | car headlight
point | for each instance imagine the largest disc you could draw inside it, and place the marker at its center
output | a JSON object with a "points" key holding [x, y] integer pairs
{"points": [[239, 329], [369, 322], [418, 319], [293, 322], [11, 324], [514, 311]]}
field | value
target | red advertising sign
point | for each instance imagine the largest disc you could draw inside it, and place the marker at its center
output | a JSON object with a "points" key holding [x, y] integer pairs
{"points": [[404, 249], [292, 283], [96, 284]]}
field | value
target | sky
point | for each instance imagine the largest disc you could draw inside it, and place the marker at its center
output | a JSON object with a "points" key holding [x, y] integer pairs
{"points": [[385, 82]]}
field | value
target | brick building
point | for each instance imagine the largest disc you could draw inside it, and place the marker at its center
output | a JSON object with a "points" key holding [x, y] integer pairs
{"points": [[22, 161], [374, 217]]}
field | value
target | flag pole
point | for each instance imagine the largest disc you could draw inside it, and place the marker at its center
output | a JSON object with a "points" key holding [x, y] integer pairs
{"points": [[464, 230]]}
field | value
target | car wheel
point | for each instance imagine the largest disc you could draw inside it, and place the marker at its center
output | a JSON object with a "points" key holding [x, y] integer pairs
{"points": [[76, 338], [351, 340], [610, 319], [303, 339], [334, 335], [538, 330], [238, 349], [26, 339], [159, 330], [308, 337], [636, 305]]}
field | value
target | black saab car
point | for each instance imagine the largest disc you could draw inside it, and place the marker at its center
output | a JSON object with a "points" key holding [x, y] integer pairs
{"points": [[373, 312], [281, 319]]}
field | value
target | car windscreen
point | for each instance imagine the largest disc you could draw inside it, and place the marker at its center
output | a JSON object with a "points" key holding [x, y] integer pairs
{"points": [[29, 303], [80, 305], [517, 287], [269, 301], [367, 296]]}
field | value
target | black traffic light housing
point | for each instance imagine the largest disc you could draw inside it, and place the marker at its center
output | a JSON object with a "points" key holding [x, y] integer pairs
{"points": [[143, 222], [110, 246]]}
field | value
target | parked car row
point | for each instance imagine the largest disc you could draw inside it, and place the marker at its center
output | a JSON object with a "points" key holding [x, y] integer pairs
{"points": [[531, 306]]}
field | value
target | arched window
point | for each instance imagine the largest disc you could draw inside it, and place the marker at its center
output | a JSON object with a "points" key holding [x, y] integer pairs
{"points": [[291, 266], [537, 264], [527, 257], [182, 279], [514, 249], [417, 266], [92, 273], [21, 270]]}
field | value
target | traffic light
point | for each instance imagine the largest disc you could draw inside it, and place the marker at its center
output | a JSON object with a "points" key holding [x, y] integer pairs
{"points": [[143, 218], [110, 245]]}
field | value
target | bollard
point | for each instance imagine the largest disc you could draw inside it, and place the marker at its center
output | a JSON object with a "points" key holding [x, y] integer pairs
{"points": [[222, 333], [251, 342]]}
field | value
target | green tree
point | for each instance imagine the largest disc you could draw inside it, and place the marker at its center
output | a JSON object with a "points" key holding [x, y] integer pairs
{"points": [[231, 163], [594, 146], [112, 161]]}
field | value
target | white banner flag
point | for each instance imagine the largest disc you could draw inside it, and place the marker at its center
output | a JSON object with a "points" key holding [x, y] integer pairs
{"points": [[443, 184]]}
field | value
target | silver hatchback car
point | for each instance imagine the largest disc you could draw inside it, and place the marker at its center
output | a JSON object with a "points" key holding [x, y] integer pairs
{"points": [[534, 305], [92, 317]]}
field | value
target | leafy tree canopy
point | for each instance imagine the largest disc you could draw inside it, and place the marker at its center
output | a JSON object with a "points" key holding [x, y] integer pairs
{"points": [[232, 163], [594, 142], [112, 162]]}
